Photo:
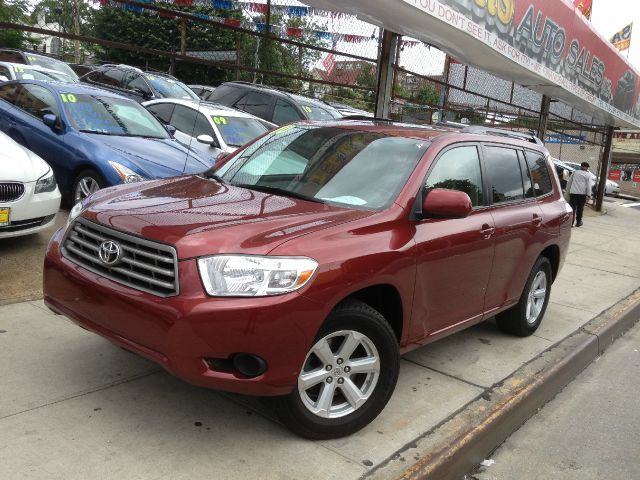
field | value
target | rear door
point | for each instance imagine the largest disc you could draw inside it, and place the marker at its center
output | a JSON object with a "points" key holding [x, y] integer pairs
{"points": [[454, 256], [257, 103], [190, 124], [518, 220]]}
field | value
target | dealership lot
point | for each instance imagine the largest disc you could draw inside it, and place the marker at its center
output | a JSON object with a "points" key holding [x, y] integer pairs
{"points": [[75, 406]]}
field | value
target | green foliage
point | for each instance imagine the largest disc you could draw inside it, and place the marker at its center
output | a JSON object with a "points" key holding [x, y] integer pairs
{"points": [[427, 95], [14, 12]]}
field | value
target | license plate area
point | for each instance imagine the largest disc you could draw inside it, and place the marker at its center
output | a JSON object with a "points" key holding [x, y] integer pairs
{"points": [[4, 216]]}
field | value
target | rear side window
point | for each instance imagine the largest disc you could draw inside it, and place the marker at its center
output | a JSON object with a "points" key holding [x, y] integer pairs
{"points": [[255, 103], [458, 169], [526, 176], [184, 119], [162, 111], [226, 95], [9, 93], [112, 77], [504, 176], [539, 173]]}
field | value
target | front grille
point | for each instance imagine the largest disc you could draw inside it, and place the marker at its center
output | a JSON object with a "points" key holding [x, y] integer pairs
{"points": [[11, 191], [144, 265]]}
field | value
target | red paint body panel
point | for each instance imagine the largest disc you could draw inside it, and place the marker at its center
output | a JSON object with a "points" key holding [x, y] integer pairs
{"points": [[448, 274]]}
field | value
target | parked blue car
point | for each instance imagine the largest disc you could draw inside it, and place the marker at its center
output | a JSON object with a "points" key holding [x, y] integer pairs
{"points": [[91, 137]]}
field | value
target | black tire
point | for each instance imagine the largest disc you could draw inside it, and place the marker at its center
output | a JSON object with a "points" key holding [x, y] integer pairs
{"points": [[356, 316], [514, 320], [87, 175]]}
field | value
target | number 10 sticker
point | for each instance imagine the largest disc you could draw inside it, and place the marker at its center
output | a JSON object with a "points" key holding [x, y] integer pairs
{"points": [[68, 98]]}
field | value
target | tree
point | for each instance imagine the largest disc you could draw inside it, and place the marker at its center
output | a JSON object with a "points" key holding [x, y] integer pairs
{"points": [[14, 12], [427, 95]]}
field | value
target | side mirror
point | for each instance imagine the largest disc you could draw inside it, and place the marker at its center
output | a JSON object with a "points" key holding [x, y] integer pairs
{"points": [[206, 139], [50, 120], [171, 129], [443, 203]]}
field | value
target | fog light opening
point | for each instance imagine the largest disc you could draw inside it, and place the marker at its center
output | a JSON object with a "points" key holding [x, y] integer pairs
{"points": [[249, 365]]}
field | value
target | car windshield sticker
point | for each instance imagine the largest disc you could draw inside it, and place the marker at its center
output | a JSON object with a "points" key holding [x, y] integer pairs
{"points": [[68, 98], [219, 120], [307, 109]]}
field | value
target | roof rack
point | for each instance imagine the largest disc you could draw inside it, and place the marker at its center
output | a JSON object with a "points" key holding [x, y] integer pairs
{"points": [[501, 132]]}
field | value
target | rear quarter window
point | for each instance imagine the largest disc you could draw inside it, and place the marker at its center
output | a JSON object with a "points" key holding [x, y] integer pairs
{"points": [[539, 173], [504, 175]]}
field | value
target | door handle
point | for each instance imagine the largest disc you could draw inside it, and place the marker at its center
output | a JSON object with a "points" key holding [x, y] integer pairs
{"points": [[487, 230], [536, 220]]}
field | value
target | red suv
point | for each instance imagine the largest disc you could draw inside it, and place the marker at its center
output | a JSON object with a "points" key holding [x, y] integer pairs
{"points": [[304, 265]]}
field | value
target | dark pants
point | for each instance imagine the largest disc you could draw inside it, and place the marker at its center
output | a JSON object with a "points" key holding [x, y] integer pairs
{"points": [[577, 204]]}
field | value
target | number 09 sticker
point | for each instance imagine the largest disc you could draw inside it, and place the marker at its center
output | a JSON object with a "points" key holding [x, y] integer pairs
{"points": [[68, 98], [219, 120]]}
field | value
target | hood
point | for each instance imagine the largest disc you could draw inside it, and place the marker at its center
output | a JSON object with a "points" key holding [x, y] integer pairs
{"points": [[19, 164], [203, 217], [154, 157]]}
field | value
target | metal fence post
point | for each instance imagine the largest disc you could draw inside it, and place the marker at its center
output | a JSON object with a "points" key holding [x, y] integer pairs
{"points": [[545, 106], [604, 168], [386, 60]]}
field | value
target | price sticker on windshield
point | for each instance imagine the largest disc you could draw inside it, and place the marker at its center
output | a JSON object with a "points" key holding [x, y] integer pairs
{"points": [[19, 69], [31, 59], [307, 109], [68, 98], [151, 77], [219, 120]]}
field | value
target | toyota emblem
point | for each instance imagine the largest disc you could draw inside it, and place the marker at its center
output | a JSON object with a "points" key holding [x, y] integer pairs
{"points": [[109, 252]]}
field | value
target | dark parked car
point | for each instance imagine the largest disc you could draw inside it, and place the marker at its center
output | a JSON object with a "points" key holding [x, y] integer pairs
{"points": [[92, 138], [136, 84], [308, 261], [203, 91], [270, 104], [32, 58]]}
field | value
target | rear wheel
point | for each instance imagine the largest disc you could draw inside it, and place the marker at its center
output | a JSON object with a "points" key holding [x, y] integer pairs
{"points": [[347, 376], [86, 183], [524, 318]]}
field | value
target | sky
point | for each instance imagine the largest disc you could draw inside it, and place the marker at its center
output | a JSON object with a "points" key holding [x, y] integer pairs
{"points": [[610, 16]]}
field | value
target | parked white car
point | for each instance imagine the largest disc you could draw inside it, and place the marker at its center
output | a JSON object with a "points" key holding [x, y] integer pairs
{"points": [[611, 187], [29, 195], [208, 127], [20, 71]]}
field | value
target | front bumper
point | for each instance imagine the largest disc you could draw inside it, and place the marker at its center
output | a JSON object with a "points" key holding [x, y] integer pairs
{"points": [[183, 332], [31, 213]]}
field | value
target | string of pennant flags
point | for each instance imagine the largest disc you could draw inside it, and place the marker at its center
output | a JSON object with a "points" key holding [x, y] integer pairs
{"points": [[260, 9]]}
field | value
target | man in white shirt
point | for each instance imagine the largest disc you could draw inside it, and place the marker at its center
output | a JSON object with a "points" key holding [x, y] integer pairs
{"points": [[579, 186]]}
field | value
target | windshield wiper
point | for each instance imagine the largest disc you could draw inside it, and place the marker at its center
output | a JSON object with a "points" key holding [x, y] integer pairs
{"points": [[97, 132], [213, 176], [278, 191]]}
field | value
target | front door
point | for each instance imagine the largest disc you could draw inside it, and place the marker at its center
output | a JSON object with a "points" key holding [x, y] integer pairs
{"points": [[454, 256]]}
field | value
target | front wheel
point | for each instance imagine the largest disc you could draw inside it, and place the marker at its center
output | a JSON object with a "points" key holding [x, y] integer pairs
{"points": [[86, 183], [524, 318], [347, 376]]}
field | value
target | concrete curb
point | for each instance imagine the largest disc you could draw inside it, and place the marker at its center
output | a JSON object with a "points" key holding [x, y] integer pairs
{"points": [[453, 448]]}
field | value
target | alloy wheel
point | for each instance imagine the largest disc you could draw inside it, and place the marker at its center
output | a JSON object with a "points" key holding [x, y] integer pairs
{"points": [[85, 187], [536, 298]]}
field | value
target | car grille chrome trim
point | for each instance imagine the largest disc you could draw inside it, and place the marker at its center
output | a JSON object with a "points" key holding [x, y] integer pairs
{"points": [[11, 191], [144, 265]]}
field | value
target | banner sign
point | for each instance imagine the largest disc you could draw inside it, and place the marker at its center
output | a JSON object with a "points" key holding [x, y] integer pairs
{"points": [[584, 7], [622, 39], [614, 175], [550, 39]]}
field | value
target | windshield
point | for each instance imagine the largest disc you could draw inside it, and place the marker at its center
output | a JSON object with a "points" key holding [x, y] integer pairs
{"points": [[111, 116], [53, 64], [328, 164], [26, 73], [236, 131], [314, 112], [169, 88]]}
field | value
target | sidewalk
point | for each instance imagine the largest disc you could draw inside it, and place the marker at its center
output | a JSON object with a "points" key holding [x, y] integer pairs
{"points": [[74, 406]]}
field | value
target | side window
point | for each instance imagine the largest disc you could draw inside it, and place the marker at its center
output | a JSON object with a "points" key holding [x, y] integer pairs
{"points": [[37, 101], [203, 127], [539, 173], [197, 90], [4, 72], [256, 103], [113, 78], [184, 119], [526, 176], [9, 93], [504, 176], [136, 82], [162, 111], [285, 112], [95, 76], [458, 169]]}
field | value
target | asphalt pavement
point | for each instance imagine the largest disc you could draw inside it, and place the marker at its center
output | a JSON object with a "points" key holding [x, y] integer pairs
{"points": [[591, 430], [74, 406]]}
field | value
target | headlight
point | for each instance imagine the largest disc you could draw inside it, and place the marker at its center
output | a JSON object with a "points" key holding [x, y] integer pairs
{"points": [[254, 276], [126, 174], [75, 212], [46, 183]]}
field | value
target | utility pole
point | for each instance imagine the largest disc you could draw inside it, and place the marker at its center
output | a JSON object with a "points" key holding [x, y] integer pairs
{"points": [[76, 29]]}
